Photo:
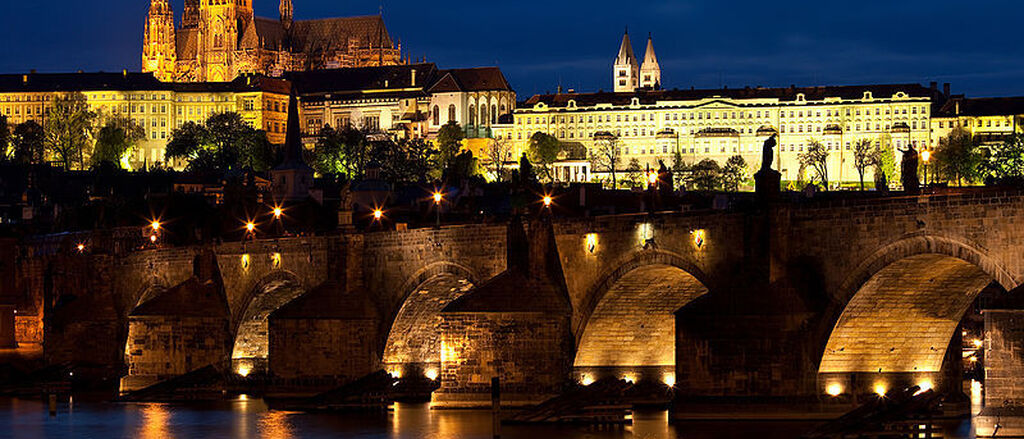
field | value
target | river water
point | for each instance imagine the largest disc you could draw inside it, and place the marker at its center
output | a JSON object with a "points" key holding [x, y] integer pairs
{"points": [[250, 418]]}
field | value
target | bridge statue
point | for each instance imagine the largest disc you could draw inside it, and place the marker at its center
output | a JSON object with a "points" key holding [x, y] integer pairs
{"points": [[768, 153], [909, 170], [767, 181]]}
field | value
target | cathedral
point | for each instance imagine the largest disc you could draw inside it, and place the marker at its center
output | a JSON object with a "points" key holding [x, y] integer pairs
{"points": [[217, 40], [629, 74]]}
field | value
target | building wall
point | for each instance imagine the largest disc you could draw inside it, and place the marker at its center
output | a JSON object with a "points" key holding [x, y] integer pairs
{"points": [[798, 123]]}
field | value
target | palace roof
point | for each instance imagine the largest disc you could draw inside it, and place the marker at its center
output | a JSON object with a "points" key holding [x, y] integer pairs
{"points": [[131, 81], [477, 79], [959, 106], [788, 94]]}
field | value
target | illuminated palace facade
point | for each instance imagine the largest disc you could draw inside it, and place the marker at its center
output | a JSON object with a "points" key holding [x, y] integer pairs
{"points": [[217, 40], [650, 124], [156, 106]]}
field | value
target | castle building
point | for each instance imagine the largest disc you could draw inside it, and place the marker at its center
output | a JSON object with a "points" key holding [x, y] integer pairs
{"points": [[218, 40], [158, 107]]}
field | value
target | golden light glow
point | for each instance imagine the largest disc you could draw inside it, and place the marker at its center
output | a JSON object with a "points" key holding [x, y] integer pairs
{"points": [[926, 155], [652, 178], [395, 373], [547, 201], [155, 225], [973, 359], [81, 248], [250, 226], [245, 261], [152, 238], [587, 379], [925, 385], [278, 212], [275, 260], [591, 242], [699, 238], [378, 214], [431, 374], [646, 233], [629, 378], [438, 197], [244, 370], [243, 397], [881, 389], [977, 343], [669, 379], [834, 389]]}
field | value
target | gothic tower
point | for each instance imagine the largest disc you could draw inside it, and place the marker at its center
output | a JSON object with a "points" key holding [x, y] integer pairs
{"points": [[158, 45], [650, 72], [190, 16], [626, 67], [287, 13], [220, 25]]}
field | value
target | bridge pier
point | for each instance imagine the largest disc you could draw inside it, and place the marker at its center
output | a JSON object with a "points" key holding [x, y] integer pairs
{"points": [[1003, 412]]}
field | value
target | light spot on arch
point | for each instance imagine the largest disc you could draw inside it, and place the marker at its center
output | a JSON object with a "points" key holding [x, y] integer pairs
{"points": [[903, 318], [251, 341], [634, 324], [414, 342]]}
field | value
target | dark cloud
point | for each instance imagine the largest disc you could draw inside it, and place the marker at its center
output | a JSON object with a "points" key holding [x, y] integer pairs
{"points": [[543, 44]]}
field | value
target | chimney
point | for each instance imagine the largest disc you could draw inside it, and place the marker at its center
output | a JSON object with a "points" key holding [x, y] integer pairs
{"points": [[934, 86], [413, 78], [945, 90], [957, 111]]}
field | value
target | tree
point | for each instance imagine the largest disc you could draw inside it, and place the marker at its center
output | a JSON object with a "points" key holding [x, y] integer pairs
{"points": [[223, 141], [957, 157], [886, 166], [635, 174], [705, 175], [499, 152], [544, 150], [6, 153], [1005, 162], [606, 157], [27, 142], [328, 157], [462, 167], [449, 144], [68, 129], [816, 158], [116, 140], [734, 173], [865, 156], [405, 161]]}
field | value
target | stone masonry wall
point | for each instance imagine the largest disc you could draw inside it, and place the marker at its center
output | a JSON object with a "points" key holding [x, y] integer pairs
{"points": [[341, 350], [1004, 358], [165, 347]]}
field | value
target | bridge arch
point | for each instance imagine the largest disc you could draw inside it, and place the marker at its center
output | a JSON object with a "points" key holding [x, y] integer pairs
{"points": [[628, 327], [898, 312], [413, 344], [251, 343]]}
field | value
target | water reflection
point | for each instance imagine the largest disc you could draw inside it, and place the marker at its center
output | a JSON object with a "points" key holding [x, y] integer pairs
{"points": [[155, 422], [275, 425]]}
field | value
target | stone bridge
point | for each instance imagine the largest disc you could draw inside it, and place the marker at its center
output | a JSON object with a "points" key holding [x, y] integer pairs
{"points": [[788, 302]]}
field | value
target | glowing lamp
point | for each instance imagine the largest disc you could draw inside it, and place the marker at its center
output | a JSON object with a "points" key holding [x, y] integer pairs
{"points": [[250, 227], [924, 386], [591, 242], [275, 260], [978, 343], [152, 238], [81, 248], [155, 225], [396, 374], [698, 238], [438, 197], [652, 178], [629, 378], [586, 379], [881, 389], [834, 389], [245, 261], [926, 155], [547, 201], [278, 212], [431, 374], [669, 379], [378, 214], [244, 370]]}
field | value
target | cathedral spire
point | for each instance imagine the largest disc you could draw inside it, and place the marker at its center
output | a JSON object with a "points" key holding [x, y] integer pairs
{"points": [[158, 43], [626, 68], [287, 13], [650, 72]]}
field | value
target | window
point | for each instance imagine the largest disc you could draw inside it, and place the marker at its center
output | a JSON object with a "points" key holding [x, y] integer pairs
{"points": [[437, 115], [451, 112]]}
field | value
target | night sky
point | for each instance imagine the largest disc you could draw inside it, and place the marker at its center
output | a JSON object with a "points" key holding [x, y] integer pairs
{"points": [[540, 44]]}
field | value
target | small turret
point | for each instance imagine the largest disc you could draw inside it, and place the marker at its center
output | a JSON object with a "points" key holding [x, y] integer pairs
{"points": [[626, 67], [158, 43], [287, 13], [650, 73]]}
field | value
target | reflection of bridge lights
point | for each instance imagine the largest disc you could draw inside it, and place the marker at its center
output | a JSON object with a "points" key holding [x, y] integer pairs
{"points": [[431, 374], [591, 242], [881, 389], [586, 379], [834, 389], [669, 379]]}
